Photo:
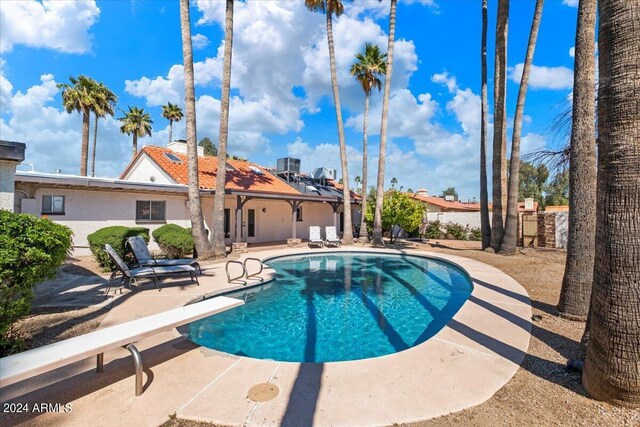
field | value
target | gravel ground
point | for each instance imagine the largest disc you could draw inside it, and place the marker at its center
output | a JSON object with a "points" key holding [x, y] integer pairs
{"points": [[542, 393]]}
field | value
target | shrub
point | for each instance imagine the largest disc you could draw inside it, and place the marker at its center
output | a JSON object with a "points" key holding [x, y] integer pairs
{"points": [[456, 230], [31, 250], [174, 241], [116, 236], [475, 234], [434, 230]]}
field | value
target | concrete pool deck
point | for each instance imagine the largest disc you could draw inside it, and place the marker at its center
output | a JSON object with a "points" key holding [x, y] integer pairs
{"points": [[463, 365]]}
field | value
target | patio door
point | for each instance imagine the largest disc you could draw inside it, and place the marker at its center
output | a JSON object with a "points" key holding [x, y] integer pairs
{"points": [[252, 226]]}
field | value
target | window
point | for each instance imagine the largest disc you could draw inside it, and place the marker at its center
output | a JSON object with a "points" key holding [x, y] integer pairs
{"points": [[299, 214], [150, 210], [173, 157], [227, 223], [53, 205]]}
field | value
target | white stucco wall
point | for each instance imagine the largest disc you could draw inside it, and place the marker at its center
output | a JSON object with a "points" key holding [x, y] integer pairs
{"points": [[562, 229], [470, 219], [87, 211], [7, 185], [145, 168]]}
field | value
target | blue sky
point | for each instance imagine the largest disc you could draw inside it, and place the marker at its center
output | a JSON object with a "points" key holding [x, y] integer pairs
{"points": [[281, 95]]}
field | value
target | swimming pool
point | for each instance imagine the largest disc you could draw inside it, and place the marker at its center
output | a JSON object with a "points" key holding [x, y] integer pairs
{"points": [[338, 306]]}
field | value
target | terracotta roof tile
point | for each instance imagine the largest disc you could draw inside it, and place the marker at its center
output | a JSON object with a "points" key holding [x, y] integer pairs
{"points": [[445, 204], [245, 176]]}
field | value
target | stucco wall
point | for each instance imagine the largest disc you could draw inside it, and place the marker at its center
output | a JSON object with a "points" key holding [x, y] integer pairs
{"points": [[7, 184], [471, 219], [144, 169], [87, 211]]}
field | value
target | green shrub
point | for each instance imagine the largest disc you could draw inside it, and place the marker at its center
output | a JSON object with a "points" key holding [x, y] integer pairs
{"points": [[456, 230], [475, 234], [174, 241], [434, 230], [116, 236], [31, 250]]}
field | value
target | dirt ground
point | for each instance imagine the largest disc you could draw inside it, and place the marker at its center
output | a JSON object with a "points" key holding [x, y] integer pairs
{"points": [[542, 393]]}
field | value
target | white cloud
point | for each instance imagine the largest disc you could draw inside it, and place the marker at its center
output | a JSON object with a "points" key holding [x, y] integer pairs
{"points": [[572, 51], [199, 41], [58, 25], [542, 77], [571, 3]]}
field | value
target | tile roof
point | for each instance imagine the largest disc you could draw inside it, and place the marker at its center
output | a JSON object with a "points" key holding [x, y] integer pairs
{"points": [[245, 176], [445, 204]]}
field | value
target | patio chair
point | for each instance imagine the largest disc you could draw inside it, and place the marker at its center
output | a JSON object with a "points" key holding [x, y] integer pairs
{"points": [[132, 274], [314, 236], [143, 257], [331, 236]]}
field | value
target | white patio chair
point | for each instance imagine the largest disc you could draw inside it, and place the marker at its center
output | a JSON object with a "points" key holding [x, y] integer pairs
{"points": [[314, 236], [331, 236]]}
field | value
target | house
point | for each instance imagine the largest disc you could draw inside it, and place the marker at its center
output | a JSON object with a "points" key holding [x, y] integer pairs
{"points": [[439, 204], [261, 204]]}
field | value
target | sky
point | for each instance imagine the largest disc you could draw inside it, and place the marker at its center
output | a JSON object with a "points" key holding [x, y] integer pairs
{"points": [[281, 99]]}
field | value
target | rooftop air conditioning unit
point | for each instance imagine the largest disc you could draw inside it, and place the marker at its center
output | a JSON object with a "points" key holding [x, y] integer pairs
{"points": [[449, 198], [325, 173], [288, 165]]}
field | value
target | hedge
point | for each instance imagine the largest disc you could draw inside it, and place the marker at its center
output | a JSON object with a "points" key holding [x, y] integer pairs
{"points": [[31, 250], [116, 236], [174, 241]]}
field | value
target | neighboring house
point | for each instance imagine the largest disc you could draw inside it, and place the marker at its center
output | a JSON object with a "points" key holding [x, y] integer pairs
{"points": [[261, 205], [439, 204]]}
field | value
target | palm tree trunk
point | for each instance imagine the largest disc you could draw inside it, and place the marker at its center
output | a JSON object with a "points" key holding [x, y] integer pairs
{"points": [[171, 121], [84, 150], [95, 143], [347, 232], [499, 167], [135, 145], [377, 218], [578, 274], [203, 246], [485, 225], [612, 368], [364, 236], [219, 247], [510, 239]]}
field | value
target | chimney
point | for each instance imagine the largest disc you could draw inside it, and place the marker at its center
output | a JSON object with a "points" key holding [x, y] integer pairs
{"points": [[180, 146], [528, 204], [422, 192]]}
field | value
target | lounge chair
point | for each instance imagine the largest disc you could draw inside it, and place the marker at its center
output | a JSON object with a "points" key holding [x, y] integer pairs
{"points": [[314, 236], [144, 258], [331, 236], [132, 274]]}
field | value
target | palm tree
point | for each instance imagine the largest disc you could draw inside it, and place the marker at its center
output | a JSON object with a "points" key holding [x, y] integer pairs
{"points": [[377, 217], [219, 247], [172, 112], [485, 225], [613, 355], [137, 123], [104, 103], [330, 8], [79, 97], [370, 64], [510, 238], [203, 246], [499, 165], [578, 274]]}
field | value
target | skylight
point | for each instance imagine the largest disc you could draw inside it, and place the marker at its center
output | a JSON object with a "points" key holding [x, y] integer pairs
{"points": [[173, 157], [256, 170]]}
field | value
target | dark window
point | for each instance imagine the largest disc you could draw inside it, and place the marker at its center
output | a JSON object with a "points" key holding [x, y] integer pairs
{"points": [[227, 223], [173, 157], [251, 223], [299, 214], [150, 210], [341, 221], [53, 205]]}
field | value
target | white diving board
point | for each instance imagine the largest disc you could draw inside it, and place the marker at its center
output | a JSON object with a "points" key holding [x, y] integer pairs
{"points": [[21, 366]]}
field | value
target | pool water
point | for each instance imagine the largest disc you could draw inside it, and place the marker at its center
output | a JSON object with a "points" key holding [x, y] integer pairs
{"points": [[338, 306]]}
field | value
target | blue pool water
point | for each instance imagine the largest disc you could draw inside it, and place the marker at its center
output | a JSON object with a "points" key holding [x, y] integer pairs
{"points": [[340, 306]]}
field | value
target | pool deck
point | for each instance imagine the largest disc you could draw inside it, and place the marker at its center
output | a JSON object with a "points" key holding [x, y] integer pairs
{"points": [[463, 365]]}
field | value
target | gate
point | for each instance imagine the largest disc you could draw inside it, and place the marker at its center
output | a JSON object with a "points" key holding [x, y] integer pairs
{"points": [[529, 230]]}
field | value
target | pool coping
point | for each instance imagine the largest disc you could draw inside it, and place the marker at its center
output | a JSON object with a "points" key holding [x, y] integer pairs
{"points": [[462, 365]]}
